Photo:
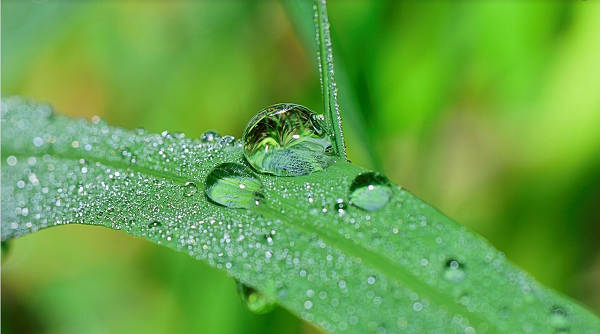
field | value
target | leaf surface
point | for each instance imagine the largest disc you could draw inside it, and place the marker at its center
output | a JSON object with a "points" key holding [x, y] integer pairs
{"points": [[403, 268]]}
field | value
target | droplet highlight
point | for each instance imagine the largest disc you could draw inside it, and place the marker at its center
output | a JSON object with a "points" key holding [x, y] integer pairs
{"points": [[454, 271], [370, 191], [234, 186], [254, 300], [287, 140]]}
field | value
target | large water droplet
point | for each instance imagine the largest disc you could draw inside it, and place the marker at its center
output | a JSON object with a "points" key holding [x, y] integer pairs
{"points": [[287, 140], [370, 191], [233, 185], [254, 300], [454, 271]]}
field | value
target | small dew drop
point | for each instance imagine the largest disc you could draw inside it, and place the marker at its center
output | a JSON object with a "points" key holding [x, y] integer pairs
{"points": [[12, 160], [287, 140], [226, 140], [254, 300], [189, 189], [233, 185], [154, 224], [210, 136], [559, 320], [370, 191], [340, 207], [454, 271]]}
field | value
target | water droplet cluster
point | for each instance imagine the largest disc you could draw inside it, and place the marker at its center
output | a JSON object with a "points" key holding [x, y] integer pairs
{"points": [[287, 140], [312, 243]]}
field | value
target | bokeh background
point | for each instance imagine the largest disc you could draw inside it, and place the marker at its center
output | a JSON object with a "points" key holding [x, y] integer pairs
{"points": [[489, 111]]}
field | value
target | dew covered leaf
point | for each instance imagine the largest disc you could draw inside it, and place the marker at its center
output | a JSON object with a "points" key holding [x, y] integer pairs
{"points": [[392, 267]]}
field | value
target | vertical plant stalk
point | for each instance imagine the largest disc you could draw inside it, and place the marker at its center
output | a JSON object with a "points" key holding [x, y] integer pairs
{"points": [[328, 86]]}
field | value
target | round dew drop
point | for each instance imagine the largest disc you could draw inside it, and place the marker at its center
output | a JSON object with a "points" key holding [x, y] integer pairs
{"points": [[287, 140], [370, 191], [189, 189], [454, 271], [254, 300], [210, 136], [234, 186]]}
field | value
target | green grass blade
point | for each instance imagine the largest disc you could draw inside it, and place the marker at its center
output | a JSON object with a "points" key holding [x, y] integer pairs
{"points": [[328, 86], [343, 269], [359, 140]]}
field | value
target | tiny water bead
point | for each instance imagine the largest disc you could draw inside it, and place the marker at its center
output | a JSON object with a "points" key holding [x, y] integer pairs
{"points": [[189, 189], [559, 319], [287, 140], [254, 300], [454, 271], [340, 207], [370, 191], [234, 186], [210, 136], [154, 224]]}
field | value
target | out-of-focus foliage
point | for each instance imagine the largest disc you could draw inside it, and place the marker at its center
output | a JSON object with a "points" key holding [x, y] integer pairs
{"points": [[489, 111]]}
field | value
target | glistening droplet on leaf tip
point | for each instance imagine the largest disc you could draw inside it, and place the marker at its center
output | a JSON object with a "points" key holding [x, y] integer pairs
{"points": [[233, 185], [254, 300], [370, 191], [287, 140]]}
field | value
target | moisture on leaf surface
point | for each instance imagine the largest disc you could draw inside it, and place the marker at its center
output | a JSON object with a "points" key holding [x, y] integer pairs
{"points": [[402, 268]]}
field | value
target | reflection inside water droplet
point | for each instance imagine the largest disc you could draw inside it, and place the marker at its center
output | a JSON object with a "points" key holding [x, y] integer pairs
{"points": [[287, 140], [254, 300], [370, 191], [233, 185], [454, 271]]}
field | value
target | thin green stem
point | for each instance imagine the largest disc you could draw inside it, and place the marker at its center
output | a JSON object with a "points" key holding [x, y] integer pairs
{"points": [[328, 87]]}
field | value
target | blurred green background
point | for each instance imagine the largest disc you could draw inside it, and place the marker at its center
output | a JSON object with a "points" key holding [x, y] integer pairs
{"points": [[489, 111]]}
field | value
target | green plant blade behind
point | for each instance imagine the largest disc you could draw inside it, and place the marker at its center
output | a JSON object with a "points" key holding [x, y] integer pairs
{"points": [[359, 140], [403, 268], [328, 86]]}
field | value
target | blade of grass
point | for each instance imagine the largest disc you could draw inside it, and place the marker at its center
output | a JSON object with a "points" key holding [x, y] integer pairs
{"points": [[361, 142], [328, 86]]}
